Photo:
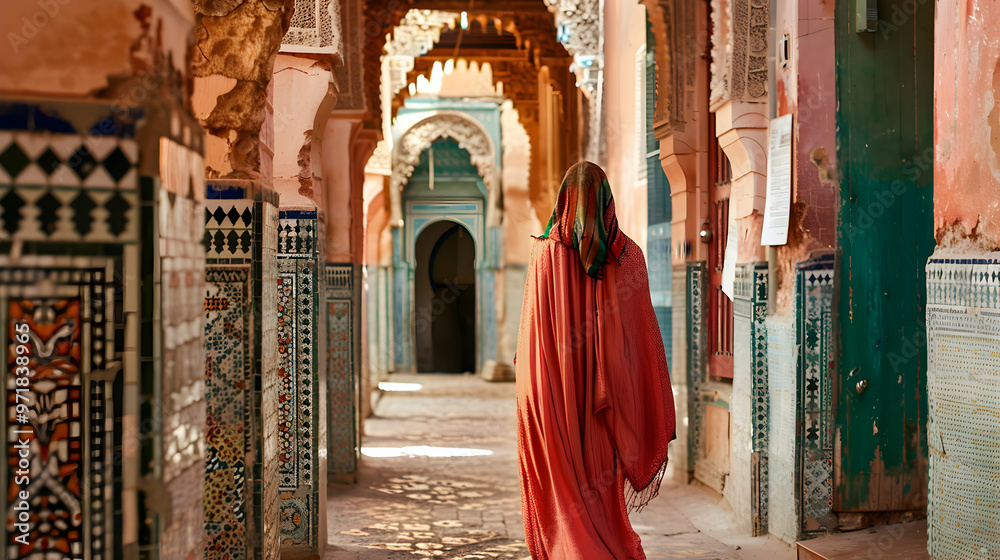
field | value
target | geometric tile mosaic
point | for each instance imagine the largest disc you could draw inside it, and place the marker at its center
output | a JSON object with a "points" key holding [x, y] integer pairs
{"points": [[696, 357], [342, 381], [241, 484], [228, 231], [298, 377], [228, 362], [750, 312], [814, 442], [66, 418], [68, 187], [963, 393]]}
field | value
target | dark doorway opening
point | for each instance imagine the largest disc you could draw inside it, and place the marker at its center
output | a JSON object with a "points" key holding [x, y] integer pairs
{"points": [[445, 293]]}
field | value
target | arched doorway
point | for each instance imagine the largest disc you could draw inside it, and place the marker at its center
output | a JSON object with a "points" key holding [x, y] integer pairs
{"points": [[445, 299]]}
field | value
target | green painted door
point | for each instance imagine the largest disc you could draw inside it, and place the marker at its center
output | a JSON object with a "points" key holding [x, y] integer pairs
{"points": [[885, 153]]}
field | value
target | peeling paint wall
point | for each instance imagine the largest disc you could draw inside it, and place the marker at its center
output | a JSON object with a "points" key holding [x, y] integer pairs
{"points": [[104, 38], [885, 92], [963, 309], [806, 88], [967, 126], [236, 44]]}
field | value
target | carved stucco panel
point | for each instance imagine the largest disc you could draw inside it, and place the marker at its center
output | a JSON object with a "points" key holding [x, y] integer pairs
{"points": [[749, 52], [471, 137], [315, 24], [418, 31], [722, 51], [579, 28]]}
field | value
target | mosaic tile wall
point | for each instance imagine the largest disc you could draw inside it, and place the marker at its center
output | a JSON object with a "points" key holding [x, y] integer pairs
{"points": [[696, 356], [241, 377], [265, 308], [749, 314], [227, 339], [814, 336], [300, 446], [782, 387], [70, 330], [180, 332], [69, 184], [342, 379], [68, 187], [680, 453], [963, 351]]}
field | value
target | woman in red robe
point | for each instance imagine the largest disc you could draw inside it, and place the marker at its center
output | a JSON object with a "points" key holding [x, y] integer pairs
{"points": [[594, 407]]}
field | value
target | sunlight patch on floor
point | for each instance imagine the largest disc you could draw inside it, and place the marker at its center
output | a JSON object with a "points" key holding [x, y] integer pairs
{"points": [[423, 451], [390, 386]]}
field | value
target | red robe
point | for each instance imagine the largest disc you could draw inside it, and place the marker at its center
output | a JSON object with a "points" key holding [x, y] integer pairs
{"points": [[595, 411]]}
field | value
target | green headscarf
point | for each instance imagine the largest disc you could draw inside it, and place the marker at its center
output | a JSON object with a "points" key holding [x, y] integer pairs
{"points": [[584, 216]]}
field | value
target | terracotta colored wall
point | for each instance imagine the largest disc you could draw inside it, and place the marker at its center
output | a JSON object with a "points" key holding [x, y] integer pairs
{"points": [[966, 125], [302, 97], [338, 196], [107, 38], [624, 34]]}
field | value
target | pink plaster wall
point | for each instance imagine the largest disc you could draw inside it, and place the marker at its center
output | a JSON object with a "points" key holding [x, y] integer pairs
{"points": [[68, 47], [301, 88], [624, 34], [519, 219], [967, 124], [338, 196], [806, 88]]}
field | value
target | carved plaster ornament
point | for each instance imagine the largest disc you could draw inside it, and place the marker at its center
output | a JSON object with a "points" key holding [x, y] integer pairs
{"points": [[381, 161], [750, 26], [413, 37], [418, 31], [722, 52], [739, 51], [579, 29], [315, 24], [471, 137]]}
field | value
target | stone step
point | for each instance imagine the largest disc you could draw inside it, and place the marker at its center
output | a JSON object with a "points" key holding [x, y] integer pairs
{"points": [[902, 541]]}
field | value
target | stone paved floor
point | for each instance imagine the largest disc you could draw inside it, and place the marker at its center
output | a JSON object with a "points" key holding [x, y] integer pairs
{"points": [[467, 507]]}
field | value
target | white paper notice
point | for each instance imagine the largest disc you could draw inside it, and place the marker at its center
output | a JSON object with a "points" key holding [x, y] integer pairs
{"points": [[729, 259], [779, 182]]}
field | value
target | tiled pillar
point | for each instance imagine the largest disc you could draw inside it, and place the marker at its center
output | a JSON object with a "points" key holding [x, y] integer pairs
{"points": [[100, 232], [242, 382], [696, 357], [79, 320], [302, 433], [814, 440], [177, 256], [752, 408], [342, 341]]}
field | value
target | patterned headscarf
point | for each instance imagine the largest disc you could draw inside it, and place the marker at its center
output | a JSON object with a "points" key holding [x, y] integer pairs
{"points": [[584, 216]]}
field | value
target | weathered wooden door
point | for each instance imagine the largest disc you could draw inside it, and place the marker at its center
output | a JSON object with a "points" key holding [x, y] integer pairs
{"points": [[885, 138]]}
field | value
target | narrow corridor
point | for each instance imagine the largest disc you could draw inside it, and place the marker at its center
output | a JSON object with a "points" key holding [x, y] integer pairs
{"points": [[438, 478]]}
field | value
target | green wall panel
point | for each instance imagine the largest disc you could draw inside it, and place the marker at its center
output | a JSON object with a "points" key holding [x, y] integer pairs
{"points": [[885, 140]]}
